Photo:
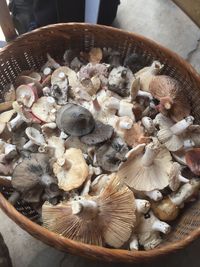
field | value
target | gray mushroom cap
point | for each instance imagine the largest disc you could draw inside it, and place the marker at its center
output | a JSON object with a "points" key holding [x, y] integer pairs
{"points": [[75, 120]]}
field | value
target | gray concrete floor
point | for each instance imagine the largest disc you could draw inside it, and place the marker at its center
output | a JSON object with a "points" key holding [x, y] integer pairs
{"points": [[165, 23]]}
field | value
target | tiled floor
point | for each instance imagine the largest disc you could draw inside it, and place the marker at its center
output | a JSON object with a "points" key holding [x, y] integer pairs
{"points": [[162, 21]]}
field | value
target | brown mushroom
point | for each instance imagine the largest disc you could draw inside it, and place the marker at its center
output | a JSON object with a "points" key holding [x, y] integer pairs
{"points": [[75, 120], [192, 158], [106, 218], [173, 100]]}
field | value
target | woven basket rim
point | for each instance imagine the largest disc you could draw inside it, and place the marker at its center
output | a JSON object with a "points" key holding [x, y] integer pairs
{"points": [[98, 252]]}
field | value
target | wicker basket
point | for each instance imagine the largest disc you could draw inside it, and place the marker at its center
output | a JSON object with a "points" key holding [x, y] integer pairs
{"points": [[29, 51]]}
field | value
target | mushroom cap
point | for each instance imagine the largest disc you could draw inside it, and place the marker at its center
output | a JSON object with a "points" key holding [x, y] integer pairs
{"points": [[75, 120], [35, 136], [44, 109], [71, 175], [112, 223], [174, 182], [192, 158], [163, 86], [95, 55], [146, 178], [68, 73], [27, 173], [6, 115], [165, 210], [101, 133]]}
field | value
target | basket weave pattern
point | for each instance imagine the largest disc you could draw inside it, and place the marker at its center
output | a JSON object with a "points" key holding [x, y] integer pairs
{"points": [[29, 52]]}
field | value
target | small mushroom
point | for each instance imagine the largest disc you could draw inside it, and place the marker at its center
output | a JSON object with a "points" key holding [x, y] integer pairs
{"points": [[148, 125], [169, 208], [60, 94], [101, 133], [51, 63], [84, 220], [173, 101], [172, 137], [44, 109], [91, 85], [95, 55], [35, 138], [32, 175], [175, 177], [146, 168], [64, 76], [75, 120], [148, 231], [26, 94], [119, 80], [25, 80], [5, 117], [70, 174], [99, 183], [192, 158], [147, 74]]}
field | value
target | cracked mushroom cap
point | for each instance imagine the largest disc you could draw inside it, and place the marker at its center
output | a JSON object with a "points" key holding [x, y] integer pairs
{"points": [[72, 171], [33, 174], [75, 120], [146, 168], [173, 100], [107, 218]]}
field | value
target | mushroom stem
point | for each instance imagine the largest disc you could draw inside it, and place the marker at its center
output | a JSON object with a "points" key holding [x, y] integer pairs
{"points": [[181, 126], [134, 244], [183, 179], [113, 103], [15, 123], [188, 143], [161, 227], [145, 94], [86, 208], [148, 157], [14, 197], [125, 124], [148, 124], [86, 188], [28, 144], [142, 205], [185, 192], [155, 195]]}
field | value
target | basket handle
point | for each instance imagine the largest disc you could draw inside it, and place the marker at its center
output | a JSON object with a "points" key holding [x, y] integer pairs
{"points": [[6, 22]]}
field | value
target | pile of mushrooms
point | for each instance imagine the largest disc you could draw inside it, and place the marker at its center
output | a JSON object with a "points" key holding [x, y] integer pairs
{"points": [[106, 151]]}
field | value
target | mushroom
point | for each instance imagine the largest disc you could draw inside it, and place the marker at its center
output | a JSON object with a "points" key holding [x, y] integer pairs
{"points": [[91, 85], [169, 208], [148, 231], [51, 63], [192, 158], [107, 218], [148, 125], [99, 183], [110, 155], [58, 145], [26, 94], [98, 70], [70, 174], [5, 117], [147, 74], [146, 168], [9, 95], [60, 94], [25, 80], [101, 133], [75, 142], [173, 101], [32, 175], [44, 109], [172, 137], [35, 138], [5, 105], [64, 76], [155, 195], [95, 55], [175, 177], [119, 80], [75, 120]]}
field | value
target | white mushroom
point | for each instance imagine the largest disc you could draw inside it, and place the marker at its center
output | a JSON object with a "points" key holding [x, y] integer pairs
{"points": [[5, 117], [155, 195], [148, 125], [148, 231], [146, 170], [175, 177], [172, 137], [35, 138]]}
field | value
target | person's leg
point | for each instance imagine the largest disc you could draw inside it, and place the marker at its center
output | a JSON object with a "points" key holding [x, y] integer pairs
{"points": [[108, 11]]}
